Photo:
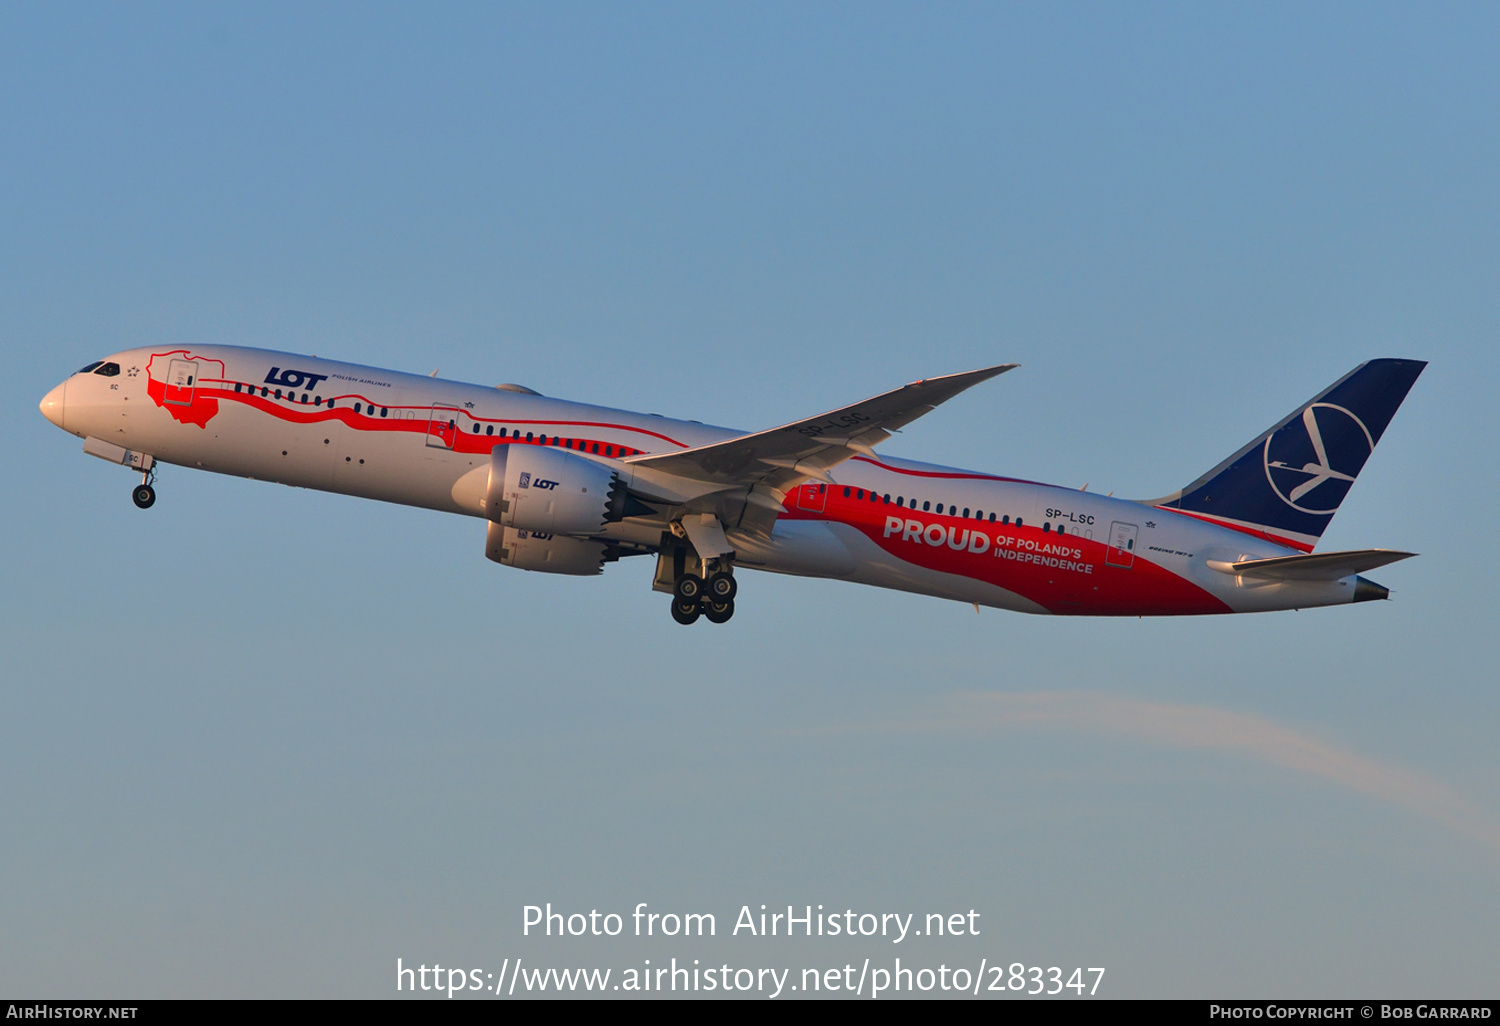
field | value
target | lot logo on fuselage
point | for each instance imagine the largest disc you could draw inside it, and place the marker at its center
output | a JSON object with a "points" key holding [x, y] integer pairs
{"points": [[294, 378], [1321, 452]]}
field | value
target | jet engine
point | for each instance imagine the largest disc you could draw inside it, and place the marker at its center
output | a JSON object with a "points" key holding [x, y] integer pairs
{"points": [[537, 496], [549, 491], [549, 553]]}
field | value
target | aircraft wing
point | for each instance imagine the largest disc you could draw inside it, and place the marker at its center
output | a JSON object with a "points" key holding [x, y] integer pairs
{"points": [[783, 457], [1322, 566]]}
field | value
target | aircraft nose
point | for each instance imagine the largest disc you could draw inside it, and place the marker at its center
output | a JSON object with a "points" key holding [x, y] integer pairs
{"points": [[53, 403]]}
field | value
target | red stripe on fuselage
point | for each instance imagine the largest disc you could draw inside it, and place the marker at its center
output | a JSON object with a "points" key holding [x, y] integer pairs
{"points": [[205, 405], [1063, 573], [1254, 532], [942, 474]]}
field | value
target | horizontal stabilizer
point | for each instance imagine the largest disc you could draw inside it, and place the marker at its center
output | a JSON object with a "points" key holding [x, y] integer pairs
{"points": [[1323, 566]]}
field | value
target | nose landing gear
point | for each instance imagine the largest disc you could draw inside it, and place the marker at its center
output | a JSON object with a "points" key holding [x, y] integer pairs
{"points": [[143, 494]]}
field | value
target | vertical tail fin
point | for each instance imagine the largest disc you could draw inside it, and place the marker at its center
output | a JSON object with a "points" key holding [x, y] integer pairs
{"points": [[1287, 484]]}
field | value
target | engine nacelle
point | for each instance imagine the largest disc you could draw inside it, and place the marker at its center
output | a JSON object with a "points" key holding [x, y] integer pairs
{"points": [[542, 490], [549, 553]]}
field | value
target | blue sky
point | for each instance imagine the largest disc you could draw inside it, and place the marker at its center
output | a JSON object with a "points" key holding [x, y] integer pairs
{"points": [[261, 741]]}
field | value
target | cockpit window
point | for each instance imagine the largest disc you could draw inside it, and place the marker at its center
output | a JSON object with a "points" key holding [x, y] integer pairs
{"points": [[88, 367], [108, 370]]}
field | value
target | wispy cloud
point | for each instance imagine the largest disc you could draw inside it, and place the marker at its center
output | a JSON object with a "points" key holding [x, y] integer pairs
{"points": [[1206, 728]]}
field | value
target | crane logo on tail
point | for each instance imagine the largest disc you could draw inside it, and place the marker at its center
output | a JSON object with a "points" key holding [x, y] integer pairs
{"points": [[1312, 460]]}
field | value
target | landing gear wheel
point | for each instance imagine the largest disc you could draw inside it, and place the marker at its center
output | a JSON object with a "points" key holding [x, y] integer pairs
{"points": [[686, 611], [688, 588], [143, 496], [719, 612], [721, 588]]}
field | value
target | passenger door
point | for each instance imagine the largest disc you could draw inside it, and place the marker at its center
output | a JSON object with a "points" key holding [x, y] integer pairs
{"points": [[1121, 550], [181, 374], [812, 497], [442, 429]]}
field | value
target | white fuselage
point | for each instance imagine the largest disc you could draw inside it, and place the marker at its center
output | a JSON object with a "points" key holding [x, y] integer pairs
{"points": [[894, 523]]}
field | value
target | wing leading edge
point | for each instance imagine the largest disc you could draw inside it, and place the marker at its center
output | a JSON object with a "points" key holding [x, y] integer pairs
{"points": [[783, 457]]}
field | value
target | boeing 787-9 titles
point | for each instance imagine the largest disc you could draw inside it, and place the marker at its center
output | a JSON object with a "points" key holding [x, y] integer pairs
{"points": [[567, 488]]}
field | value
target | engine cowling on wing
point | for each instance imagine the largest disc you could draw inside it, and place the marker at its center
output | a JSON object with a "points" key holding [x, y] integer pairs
{"points": [[539, 489], [538, 496], [548, 553]]}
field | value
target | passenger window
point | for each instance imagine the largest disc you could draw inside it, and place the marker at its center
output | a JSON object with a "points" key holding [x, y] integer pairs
{"points": [[304, 397], [528, 436], [596, 448], [1018, 521], [278, 393], [1060, 529], [357, 407], [330, 404], [1047, 527], [966, 511], [264, 391], [317, 400], [901, 500], [489, 429], [887, 498], [236, 386], [1005, 519], [926, 506], [859, 493], [384, 410], [109, 370], [992, 518], [846, 493]]}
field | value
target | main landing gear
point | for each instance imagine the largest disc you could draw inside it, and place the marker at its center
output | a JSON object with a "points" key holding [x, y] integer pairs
{"points": [[713, 598], [143, 494]]}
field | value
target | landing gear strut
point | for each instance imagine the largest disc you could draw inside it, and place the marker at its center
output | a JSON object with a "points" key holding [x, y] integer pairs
{"points": [[143, 495]]}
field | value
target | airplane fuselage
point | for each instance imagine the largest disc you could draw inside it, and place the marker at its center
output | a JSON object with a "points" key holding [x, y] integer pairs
{"points": [[889, 522]]}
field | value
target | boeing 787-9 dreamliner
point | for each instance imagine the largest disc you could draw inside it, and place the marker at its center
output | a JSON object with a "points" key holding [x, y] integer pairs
{"points": [[567, 488]]}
